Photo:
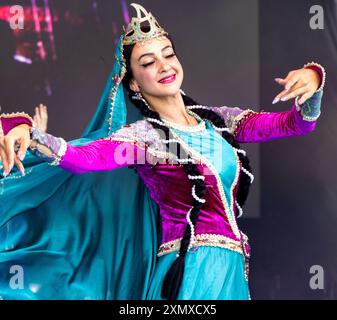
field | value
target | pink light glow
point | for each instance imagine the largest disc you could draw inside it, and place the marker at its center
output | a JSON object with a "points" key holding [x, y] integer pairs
{"points": [[125, 11], [48, 19]]}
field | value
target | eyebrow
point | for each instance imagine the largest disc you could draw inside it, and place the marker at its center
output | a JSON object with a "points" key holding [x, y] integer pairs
{"points": [[151, 53]]}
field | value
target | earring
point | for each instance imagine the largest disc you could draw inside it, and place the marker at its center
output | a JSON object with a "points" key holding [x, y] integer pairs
{"points": [[138, 96], [182, 92]]}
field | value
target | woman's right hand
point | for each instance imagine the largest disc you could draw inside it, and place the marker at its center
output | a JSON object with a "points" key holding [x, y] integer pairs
{"points": [[19, 135]]}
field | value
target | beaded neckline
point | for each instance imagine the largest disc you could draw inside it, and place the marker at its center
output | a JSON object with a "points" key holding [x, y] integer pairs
{"points": [[201, 126]]}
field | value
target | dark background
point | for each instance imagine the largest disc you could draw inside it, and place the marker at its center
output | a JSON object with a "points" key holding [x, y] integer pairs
{"points": [[231, 50]]}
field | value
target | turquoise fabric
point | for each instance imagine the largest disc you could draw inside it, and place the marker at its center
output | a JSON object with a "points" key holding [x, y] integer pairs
{"points": [[90, 236], [217, 150], [210, 272], [95, 236]]}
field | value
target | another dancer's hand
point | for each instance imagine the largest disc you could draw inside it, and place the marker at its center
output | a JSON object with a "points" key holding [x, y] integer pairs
{"points": [[19, 135], [41, 117], [302, 82]]}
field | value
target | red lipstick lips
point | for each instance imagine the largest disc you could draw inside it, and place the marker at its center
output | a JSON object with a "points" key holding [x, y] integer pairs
{"points": [[168, 79]]}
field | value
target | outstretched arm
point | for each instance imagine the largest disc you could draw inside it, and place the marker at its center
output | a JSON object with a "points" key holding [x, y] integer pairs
{"points": [[103, 154], [250, 126], [100, 155], [253, 126]]}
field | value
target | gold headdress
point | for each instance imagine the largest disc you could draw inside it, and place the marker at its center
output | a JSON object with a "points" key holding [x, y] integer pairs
{"points": [[134, 33], [116, 117]]}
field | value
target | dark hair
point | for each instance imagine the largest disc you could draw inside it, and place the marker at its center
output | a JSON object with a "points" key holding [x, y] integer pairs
{"points": [[173, 278]]}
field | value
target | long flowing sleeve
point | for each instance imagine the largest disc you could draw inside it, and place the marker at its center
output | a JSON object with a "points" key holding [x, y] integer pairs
{"points": [[99, 155], [251, 126], [119, 150]]}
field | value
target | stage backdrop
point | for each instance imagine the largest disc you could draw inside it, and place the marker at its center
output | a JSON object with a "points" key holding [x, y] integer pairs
{"points": [[231, 51]]}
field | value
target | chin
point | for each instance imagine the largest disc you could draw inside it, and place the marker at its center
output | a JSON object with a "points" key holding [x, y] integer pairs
{"points": [[169, 90]]}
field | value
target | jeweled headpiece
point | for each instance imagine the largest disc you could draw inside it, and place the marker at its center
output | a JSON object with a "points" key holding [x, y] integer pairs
{"points": [[113, 93], [134, 31]]}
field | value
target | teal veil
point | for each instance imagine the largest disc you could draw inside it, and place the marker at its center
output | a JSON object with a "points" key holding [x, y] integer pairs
{"points": [[89, 236]]}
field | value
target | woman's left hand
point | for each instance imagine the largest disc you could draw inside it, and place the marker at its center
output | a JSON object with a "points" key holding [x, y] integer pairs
{"points": [[302, 82]]}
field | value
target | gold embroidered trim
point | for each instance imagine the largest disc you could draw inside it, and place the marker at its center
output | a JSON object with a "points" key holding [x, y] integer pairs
{"points": [[61, 153], [235, 181], [195, 155], [13, 115], [117, 79], [239, 118], [242, 117], [204, 239], [237, 173], [17, 114]]}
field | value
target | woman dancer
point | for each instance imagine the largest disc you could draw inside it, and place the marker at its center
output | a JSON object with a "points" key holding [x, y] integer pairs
{"points": [[190, 161]]}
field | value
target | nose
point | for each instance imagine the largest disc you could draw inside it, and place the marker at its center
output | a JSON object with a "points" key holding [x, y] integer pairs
{"points": [[164, 66]]}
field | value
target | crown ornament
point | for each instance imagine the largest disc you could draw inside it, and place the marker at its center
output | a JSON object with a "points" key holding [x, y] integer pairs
{"points": [[134, 31]]}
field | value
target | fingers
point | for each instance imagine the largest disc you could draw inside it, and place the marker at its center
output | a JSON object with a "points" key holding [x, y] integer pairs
{"points": [[19, 165], [24, 144], [297, 88], [279, 96], [304, 98], [41, 117], [290, 82], [293, 79], [43, 112], [9, 151], [7, 166], [294, 93], [290, 77], [18, 134], [4, 159], [37, 117]]}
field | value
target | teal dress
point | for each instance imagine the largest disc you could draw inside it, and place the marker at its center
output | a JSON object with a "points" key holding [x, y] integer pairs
{"points": [[210, 272]]}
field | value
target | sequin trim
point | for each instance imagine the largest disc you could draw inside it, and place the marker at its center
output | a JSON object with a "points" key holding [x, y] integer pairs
{"points": [[62, 151], [117, 78], [14, 115], [323, 73], [235, 181], [56, 147], [241, 118], [211, 240], [204, 239], [199, 157], [17, 114], [200, 127], [236, 178]]}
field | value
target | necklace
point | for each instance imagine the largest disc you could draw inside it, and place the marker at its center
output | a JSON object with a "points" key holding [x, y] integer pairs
{"points": [[201, 126]]}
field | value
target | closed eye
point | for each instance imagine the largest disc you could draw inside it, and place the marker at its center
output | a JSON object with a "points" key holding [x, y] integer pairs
{"points": [[148, 64]]}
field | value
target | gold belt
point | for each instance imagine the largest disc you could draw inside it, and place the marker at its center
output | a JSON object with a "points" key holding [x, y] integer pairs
{"points": [[204, 239]]}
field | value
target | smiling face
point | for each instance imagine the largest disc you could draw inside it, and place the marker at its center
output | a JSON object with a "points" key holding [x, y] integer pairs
{"points": [[152, 61]]}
